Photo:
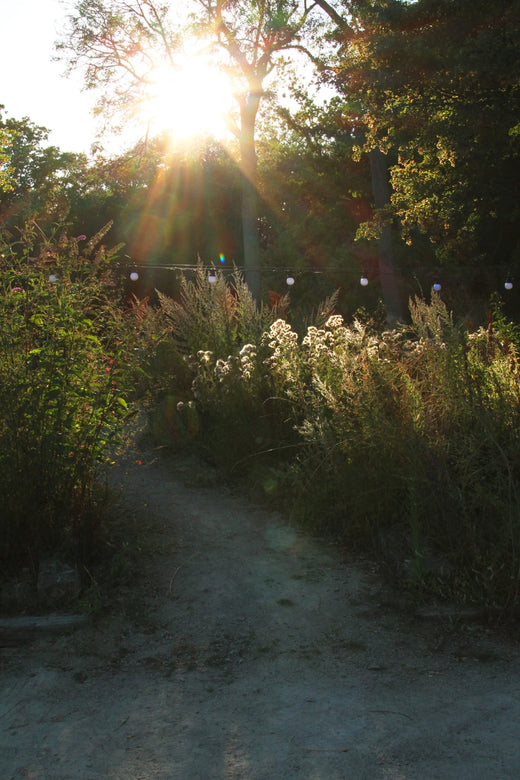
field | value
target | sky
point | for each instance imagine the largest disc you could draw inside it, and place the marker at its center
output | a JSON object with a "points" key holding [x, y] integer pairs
{"points": [[31, 84]]}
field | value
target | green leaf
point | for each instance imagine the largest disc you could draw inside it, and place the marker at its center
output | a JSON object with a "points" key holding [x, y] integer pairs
{"points": [[90, 337]]}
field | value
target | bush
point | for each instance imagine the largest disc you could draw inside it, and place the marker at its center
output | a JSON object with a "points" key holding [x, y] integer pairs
{"points": [[405, 441], [412, 446], [219, 392], [68, 365]]}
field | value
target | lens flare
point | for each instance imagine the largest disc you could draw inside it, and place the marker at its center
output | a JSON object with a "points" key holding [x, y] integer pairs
{"points": [[189, 99]]}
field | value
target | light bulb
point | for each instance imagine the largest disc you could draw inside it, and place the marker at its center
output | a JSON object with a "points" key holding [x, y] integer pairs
{"points": [[290, 280], [53, 278], [508, 285], [134, 276], [437, 287], [212, 278], [363, 281]]}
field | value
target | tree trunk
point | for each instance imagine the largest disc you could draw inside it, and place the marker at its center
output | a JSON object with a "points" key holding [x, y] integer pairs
{"points": [[251, 243], [387, 273]]}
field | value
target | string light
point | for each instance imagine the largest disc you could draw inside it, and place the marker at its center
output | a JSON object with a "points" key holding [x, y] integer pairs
{"points": [[290, 279]]}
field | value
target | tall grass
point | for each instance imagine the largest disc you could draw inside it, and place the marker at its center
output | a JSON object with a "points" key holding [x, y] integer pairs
{"points": [[405, 441], [69, 363], [217, 391]]}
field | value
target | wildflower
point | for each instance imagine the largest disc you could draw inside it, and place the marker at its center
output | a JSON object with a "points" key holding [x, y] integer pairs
{"points": [[81, 238], [335, 321], [204, 356], [17, 290], [221, 368], [281, 334]]}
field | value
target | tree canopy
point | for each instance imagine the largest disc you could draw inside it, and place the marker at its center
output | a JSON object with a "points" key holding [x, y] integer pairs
{"points": [[120, 45], [35, 178], [438, 85], [427, 90]]}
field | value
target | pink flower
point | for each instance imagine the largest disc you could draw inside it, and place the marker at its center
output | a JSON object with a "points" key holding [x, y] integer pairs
{"points": [[17, 290], [81, 238]]}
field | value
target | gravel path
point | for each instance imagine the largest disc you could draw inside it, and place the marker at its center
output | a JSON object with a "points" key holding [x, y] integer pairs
{"points": [[249, 650]]}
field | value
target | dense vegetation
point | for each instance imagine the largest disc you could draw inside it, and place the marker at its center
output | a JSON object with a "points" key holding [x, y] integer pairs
{"points": [[385, 415], [70, 363], [403, 441]]}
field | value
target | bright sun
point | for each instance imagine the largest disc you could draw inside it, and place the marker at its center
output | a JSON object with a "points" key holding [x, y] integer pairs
{"points": [[189, 99]]}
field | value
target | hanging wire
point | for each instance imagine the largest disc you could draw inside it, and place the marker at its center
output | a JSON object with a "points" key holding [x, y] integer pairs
{"points": [[290, 274]]}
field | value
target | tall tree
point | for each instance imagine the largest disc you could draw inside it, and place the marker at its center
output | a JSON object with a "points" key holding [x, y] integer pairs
{"points": [[349, 18], [251, 34], [34, 177], [440, 83], [120, 44], [317, 194]]}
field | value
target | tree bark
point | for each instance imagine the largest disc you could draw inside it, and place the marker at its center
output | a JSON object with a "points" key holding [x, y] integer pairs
{"points": [[387, 273], [251, 243]]}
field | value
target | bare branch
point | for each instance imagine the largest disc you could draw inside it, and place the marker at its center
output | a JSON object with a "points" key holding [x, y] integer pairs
{"points": [[332, 13]]}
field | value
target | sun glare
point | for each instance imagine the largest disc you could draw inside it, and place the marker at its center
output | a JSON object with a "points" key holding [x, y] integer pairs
{"points": [[190, 99]]}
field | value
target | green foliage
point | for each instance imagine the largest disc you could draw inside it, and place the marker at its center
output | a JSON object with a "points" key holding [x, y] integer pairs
{"points": [[403, 440], [412, 437], [317, 195], [214, 367], [68, 366], [439, 85], [185, 204], [35, 179]]}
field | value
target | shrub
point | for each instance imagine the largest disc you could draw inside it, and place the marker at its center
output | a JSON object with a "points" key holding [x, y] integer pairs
{"points": [[219, 317], [68, 364], [405, 441], [412, 446], [218, 384]]}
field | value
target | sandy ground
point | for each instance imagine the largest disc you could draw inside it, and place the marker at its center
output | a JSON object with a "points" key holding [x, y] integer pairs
{"points": [[249, 650]]}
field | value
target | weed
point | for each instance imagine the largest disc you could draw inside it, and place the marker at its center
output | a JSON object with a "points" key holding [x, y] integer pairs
{"points": [[69, 362]]}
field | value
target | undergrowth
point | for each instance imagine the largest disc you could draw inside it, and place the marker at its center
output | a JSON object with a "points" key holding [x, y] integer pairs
{"points": [[403, 441], [71, 355]]}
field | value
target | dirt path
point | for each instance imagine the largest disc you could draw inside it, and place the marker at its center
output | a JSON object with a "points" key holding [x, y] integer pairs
{"points": [[250, 651]]}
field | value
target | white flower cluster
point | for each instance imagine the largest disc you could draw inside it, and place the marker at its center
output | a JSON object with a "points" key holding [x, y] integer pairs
{"points": [[334, 322], [204, 355], [247, 357], [318, 341], [336, 342], [283, 341], [280, 336], [239, 367]]}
